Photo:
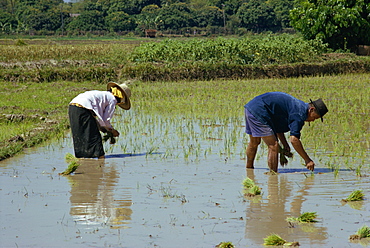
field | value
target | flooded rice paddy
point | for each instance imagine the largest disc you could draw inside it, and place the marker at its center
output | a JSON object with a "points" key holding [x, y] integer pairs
{"points": [[174, 183]]}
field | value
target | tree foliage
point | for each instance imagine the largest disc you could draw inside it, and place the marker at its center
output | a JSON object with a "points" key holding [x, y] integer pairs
{"points": [[340, 23], [258, 15]]}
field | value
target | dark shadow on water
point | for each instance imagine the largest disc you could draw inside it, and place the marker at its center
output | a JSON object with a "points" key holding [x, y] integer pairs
{"points": [[130, 155]]}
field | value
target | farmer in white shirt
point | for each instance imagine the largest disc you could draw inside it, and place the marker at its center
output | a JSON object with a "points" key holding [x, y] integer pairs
{"points": [[91, 112]]}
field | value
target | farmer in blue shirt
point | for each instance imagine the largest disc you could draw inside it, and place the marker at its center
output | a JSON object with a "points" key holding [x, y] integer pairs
{"points": [[270, 115]]}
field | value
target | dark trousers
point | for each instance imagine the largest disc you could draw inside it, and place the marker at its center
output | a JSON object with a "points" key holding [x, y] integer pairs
{"points": [[87, 140]]}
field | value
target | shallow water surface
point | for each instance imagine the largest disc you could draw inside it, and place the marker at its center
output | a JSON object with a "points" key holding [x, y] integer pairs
{"points": [[164, 198]]}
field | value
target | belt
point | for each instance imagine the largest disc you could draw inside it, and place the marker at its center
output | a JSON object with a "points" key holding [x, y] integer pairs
{"points": [[77, 105], [80, 106]]}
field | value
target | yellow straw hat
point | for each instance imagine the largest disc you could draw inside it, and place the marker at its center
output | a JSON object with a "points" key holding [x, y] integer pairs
{"points": [[125, 102]]}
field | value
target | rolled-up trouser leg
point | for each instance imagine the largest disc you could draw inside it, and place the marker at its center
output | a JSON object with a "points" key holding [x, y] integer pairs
{"points": [[87, 140]]}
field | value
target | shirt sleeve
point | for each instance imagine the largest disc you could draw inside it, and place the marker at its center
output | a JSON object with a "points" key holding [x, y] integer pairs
{"points": [[105, 115], [295, 126]]}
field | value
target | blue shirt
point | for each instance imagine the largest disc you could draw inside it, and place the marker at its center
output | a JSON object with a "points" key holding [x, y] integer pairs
{"points": [[280, 111]]}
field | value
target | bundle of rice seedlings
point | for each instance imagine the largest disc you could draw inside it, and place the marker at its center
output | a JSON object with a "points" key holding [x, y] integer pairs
{"points": [[255, 190], [307, 217], [276, 240], [225, 245], [248, 183], [69, 158], [363, 232], [283, 154], [356, 195], [73, 164], [109, 136], [252, 188]]}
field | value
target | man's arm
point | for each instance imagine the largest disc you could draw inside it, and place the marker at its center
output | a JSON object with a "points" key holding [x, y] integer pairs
{"points": [[283, 141], [297, 144]]}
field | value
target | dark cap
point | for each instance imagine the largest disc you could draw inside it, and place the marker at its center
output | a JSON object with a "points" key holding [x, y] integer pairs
{"points": [[320, 107]]}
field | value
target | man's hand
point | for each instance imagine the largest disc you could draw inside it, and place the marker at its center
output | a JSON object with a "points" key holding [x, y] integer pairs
{"points": [[310, 165], [114, 132]]}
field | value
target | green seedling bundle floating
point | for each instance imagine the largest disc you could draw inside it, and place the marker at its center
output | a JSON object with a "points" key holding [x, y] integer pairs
{"points": [[73, 164], [356, 195], [363, 232], [276, 240], [251, 189], [307, 217]]}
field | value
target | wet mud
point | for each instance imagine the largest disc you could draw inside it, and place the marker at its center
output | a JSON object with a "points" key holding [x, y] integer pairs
{"points": [[150, 199]]}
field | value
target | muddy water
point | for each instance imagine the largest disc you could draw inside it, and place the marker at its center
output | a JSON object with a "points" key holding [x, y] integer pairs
{"points": [[151, 195]]}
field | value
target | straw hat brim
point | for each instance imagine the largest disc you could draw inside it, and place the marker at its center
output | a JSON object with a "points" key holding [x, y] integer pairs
{"points": [[127, 104]]}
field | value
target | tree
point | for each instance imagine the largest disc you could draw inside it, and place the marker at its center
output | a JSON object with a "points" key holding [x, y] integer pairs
{"points": [[282, 9], [175, 16], [91, 20], [149, 17], [208, 16], [120, 21], [258, 15], [7, 22], [340, 23]]}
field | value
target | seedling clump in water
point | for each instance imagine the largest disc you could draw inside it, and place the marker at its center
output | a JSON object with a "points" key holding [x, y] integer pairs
{"points": [[225, 245], [252, 188], [363, 232], [73, 164], [276, 240], [356, 195], [307, 217]]}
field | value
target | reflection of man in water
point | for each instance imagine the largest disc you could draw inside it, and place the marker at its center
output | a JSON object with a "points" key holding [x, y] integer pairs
{"points": [[269, 215], [92, 196]]}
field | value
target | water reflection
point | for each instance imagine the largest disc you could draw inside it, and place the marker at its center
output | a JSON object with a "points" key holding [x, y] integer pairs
{"points": [[269, 215], [92, 196]]}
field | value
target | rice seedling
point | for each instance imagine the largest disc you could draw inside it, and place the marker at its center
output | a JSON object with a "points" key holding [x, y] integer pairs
{"points": [[363, 232], [356, 195], [307, 217], [251, 188], [109, 136], [73, 164], [225, 245], [276, 240], [283, 154], [248, 183]]}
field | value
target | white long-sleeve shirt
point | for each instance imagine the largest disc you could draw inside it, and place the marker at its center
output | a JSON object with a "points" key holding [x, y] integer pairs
{"points": [[103, 104]]}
